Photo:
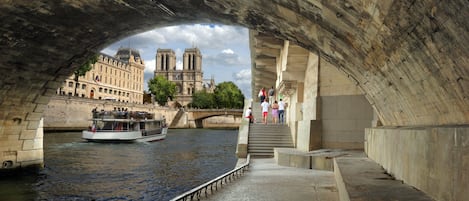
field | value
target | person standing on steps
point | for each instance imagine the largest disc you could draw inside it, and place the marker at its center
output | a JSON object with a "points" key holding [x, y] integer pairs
{"points": [[281, 111], [271, 95], [275, 112], [265, 111], [248, 115], [262, 95]]}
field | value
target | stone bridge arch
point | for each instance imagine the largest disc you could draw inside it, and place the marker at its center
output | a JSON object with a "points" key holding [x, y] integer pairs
{"points": [[201, 114], [393, 50], [193, 118], [409, 57]]}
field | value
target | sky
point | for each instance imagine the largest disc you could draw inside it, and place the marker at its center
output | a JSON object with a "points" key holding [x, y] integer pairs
{"points": [[225, 50]]}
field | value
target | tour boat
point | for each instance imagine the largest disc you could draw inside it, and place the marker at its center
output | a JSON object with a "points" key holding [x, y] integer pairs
{"points": [[123, 126]]}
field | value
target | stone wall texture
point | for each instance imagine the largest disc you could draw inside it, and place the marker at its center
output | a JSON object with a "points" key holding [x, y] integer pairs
{"points": [[434, 160], [73, 113], [409, 58]]}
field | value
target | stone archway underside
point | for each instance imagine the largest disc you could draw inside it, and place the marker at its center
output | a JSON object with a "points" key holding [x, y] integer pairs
{"points": [[409, 57]]}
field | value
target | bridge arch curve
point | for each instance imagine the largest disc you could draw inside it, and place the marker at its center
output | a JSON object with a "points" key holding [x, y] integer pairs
{"points": [[409, 57], [393, 51]]}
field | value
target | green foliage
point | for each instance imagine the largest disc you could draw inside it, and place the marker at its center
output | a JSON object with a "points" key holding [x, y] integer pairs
{"points": [[203, 100], [162, 89], [228, 95], [87, 66]]}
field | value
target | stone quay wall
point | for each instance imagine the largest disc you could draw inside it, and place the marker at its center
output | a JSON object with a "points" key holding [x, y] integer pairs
{"points": [[432, 159], [74, 113]]}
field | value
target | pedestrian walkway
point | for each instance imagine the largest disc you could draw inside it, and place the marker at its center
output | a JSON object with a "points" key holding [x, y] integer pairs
{"points": [[267, 181]]}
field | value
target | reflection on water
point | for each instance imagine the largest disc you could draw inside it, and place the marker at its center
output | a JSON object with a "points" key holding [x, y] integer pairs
{"points": [[78, 170]]}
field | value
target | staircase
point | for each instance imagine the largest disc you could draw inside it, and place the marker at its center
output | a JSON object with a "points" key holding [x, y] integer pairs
{"points": [[263, 138], [176, 118]]}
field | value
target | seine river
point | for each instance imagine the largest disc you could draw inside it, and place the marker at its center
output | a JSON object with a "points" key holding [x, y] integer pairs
{"points": [[79, 170]]}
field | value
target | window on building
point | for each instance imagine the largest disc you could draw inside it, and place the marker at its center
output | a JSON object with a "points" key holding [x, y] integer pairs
{"points": [[100, 89], [83, 86], [110, 91], [70, 93], [70, 84], [105, 90]]}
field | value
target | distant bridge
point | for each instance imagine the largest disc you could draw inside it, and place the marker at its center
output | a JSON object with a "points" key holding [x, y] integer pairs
{"points": [[192, 118]]}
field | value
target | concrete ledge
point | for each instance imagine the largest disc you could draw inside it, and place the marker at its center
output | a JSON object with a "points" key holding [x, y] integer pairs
{"points": [[318, 159], [292, 158], [360, 178], [243, 133]]}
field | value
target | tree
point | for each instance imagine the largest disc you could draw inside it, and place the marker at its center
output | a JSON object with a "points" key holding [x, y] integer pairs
{"points": [[228, 95], [87, 66], [203, 100], [162, 89]]}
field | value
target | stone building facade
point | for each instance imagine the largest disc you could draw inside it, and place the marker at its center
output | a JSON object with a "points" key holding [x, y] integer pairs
{"points": [[189, 79], [118, 78]]}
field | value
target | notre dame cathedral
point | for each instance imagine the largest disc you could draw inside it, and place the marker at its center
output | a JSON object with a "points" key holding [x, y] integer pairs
{"points": [[189, 79]]}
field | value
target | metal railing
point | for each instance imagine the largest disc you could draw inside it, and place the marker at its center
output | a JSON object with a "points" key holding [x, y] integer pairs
{"points": [[196, 192]]}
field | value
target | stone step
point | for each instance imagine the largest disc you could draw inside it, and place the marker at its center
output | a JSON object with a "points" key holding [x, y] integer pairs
{"points": [[261, 155], [263, 138], [267, 139], [281, 131], [276, 130], [269, 134], [279, 144]]}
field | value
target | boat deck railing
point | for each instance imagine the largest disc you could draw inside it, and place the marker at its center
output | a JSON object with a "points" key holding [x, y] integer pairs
{"points": [[196, 192], [122, 115]]}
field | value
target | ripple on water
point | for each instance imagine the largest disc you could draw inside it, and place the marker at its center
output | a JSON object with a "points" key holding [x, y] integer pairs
{"points": [[78, 170]]}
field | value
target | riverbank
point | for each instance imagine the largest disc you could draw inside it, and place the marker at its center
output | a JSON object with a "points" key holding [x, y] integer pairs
{"points": [[68, 113]]}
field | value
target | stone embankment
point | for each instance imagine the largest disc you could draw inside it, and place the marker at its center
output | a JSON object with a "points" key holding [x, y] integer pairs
{"points": [[74, 113]]}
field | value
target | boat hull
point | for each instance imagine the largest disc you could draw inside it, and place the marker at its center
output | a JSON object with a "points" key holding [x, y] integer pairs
{"points": [[123, 136]]}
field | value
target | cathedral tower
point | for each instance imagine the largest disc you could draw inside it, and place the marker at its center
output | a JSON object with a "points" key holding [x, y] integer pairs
{"points": [[189, 79]]}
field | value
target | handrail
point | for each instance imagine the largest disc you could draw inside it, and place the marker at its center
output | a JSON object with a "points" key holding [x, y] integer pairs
{"points": [[197, 191]]}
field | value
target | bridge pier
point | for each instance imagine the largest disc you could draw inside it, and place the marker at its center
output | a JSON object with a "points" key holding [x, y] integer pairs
{"points": [[198, 123], [22, 145]]}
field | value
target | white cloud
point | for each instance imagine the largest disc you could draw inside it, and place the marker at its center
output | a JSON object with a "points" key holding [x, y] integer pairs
{"points": [[243, 76], [227, 51], [206, 36], [225, 59], [179, 65], [242, 79], [150, 66]]}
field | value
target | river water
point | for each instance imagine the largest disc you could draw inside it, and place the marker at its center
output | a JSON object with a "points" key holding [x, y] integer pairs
{"points": [[79, 170]]}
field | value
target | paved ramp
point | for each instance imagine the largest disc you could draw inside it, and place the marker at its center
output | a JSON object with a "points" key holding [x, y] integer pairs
{"points": [[267, 181]]}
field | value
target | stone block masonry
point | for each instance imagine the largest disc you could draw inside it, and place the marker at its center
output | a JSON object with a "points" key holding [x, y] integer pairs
{"points": [[73, 113], [433, 159]]}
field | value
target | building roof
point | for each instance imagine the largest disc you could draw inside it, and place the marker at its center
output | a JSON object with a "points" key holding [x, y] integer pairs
{"points": [[124, 53]]}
